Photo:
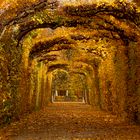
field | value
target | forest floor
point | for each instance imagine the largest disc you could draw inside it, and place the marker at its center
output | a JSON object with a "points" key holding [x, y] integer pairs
{"points": [[70, 121]]}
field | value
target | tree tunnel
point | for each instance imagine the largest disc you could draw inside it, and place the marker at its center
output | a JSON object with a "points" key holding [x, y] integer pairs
{"points": [[71, 80], [99, 42], [78, 80], [67, 87]]}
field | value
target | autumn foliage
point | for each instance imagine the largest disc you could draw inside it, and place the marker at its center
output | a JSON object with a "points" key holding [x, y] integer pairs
{"points": [[95, 44]]}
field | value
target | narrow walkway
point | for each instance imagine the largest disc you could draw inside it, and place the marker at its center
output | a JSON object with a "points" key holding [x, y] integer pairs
{"points": [[70, 121]]}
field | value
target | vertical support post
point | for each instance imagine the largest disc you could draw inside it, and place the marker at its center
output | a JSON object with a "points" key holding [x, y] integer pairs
{"points": [[67, 93], [39, 76], [49, 88], [38, 90], [45, 93], [85, 94], [56, 93], [52, 97]]}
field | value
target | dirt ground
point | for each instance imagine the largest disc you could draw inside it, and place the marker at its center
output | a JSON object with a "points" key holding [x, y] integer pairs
{"points": [[70, 121]]}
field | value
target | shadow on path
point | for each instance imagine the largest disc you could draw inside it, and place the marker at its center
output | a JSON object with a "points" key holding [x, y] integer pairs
{"points": [[70, 121]]}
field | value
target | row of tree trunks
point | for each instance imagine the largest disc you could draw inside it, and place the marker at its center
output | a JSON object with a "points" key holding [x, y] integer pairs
{"points": [[133, 82]]}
